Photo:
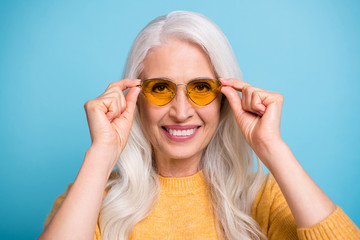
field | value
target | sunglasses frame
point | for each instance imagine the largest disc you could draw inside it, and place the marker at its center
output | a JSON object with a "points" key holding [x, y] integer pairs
{"points": [[176, 85]]}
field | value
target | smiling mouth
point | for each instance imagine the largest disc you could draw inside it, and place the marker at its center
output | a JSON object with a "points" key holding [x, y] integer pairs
{"points": [[181, 132]]}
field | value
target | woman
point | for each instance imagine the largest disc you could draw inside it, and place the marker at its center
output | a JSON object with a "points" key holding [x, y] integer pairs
{"points": [[181, 139]]}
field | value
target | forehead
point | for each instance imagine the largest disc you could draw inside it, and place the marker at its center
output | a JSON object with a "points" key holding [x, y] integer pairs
{"points": [[178, 60]]}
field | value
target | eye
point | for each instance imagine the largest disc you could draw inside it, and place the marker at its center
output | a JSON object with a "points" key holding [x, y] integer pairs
{"points": [[160, 87], [202, 87]]}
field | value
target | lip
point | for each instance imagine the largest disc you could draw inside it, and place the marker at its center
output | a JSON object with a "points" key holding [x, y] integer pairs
{"points": [[180, 127]]}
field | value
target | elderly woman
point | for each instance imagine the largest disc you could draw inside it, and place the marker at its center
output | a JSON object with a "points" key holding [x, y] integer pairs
{"points": [[181, 140]]}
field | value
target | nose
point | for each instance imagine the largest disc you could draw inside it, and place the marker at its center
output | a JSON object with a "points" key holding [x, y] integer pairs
{"points": [[181, 109]]}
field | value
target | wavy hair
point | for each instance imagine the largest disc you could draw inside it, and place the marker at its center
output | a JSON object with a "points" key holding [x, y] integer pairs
{"points": [[227, 161]]}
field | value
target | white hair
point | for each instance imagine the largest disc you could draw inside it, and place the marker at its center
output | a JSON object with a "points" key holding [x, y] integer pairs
{"points": [[227, 161]]}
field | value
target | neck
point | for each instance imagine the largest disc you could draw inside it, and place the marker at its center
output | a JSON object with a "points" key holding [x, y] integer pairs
{"points": [[171, 167]]}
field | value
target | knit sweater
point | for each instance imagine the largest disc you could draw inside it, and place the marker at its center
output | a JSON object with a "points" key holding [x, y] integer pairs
{"points": [[184, 211]]}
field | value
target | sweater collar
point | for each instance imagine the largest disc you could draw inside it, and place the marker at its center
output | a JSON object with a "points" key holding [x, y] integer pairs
{"points": [[183, 185]]}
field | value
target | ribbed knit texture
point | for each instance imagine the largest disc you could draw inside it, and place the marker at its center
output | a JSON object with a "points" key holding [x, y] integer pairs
{"points": [[184, 211], [273, 214]]}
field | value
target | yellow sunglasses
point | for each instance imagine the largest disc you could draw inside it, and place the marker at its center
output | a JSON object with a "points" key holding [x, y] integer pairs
{"points": [[161, 91]]}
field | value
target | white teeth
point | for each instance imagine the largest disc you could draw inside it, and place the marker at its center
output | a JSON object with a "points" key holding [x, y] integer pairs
{"points": [[181, 133]]}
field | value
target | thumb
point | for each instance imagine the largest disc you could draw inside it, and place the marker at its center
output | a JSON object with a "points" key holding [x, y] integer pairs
{"points": [[234, 100], [131, 99], [126, 117]]}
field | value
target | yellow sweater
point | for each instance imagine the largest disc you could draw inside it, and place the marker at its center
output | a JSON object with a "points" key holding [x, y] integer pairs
{"points": [[185, 212]]}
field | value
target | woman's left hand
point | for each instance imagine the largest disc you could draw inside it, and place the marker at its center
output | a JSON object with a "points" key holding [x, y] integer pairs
{"points": [[258, 114]]}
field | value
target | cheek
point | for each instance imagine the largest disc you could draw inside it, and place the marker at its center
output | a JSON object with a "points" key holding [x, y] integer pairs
{"points": [[150, 117], [211, 114], [144, 110]]}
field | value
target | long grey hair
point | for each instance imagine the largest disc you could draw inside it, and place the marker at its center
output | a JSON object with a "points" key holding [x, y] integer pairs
{"points": [[227, 163]]}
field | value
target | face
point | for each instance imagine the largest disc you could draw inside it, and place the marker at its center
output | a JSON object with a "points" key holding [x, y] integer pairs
{"points": [[180, 129]]}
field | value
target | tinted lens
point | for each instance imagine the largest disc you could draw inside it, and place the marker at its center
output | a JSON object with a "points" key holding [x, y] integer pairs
{"points": [[203, 91], [159, 91]]}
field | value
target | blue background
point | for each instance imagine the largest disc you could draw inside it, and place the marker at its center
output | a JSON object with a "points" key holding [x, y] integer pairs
{"points": [[56, 55]]}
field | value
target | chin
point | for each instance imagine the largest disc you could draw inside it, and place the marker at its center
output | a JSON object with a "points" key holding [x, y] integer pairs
{"points": [[181, 152]]}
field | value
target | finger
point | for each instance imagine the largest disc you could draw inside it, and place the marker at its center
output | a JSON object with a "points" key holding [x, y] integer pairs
{"points": [[112, 111], [246, 99], [274, 101], [252, 100], [115, 103], [122, 103], [131, 99], [272, 104], [121, 86], [246, 96], [257, 105], [124, 84], [128, 114], [115, 90], [234, 100], [232, 82]]}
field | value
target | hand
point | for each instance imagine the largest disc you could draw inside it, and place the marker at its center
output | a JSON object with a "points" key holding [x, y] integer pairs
{"points": [[257, 112], [110, 117]]}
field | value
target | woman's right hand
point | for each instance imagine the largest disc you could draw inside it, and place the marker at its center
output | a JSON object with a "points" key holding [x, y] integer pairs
{"points": [[110, 118]]}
